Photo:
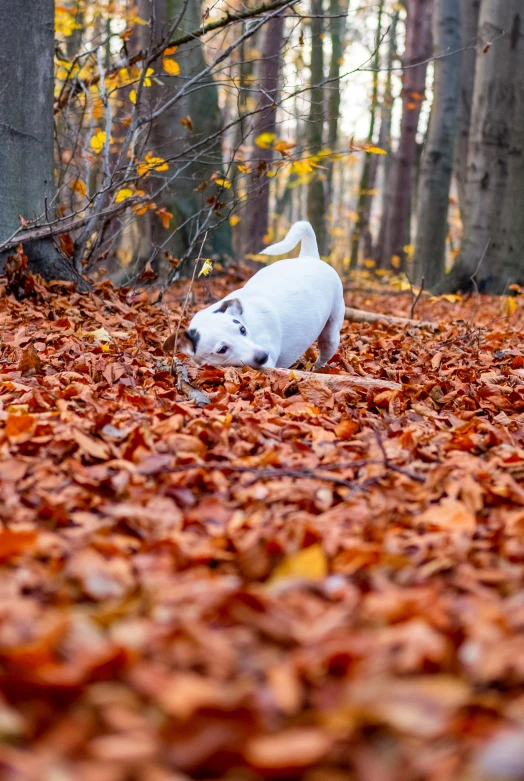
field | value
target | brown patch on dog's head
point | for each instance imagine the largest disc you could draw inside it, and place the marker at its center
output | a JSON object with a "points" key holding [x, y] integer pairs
{"points": [[187, 342], [230, 305]]}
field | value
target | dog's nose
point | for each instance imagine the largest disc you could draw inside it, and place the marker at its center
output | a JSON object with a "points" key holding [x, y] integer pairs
{"points": [[261, 357]]}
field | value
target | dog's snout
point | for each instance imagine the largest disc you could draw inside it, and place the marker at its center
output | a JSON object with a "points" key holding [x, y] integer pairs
{"points": [[261, 357]]}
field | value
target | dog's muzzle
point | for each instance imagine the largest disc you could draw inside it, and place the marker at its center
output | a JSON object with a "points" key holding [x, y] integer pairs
{"points": [[260, 357]]}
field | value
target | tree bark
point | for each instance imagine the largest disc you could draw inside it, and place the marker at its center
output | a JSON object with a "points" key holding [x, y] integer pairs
{"points": [[169, 137], [26, 129], [384, 142], [257, 211], [418, 50], [438, 154], [469, 12], [493, 245], [337, 28], [316, 201], [363, 195]]}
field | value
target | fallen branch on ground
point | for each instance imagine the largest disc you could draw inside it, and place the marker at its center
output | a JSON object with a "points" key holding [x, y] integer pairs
{"points": [[367, 383], [361, 316]]}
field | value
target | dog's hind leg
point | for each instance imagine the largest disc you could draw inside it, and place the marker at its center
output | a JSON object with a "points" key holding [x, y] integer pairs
{"points": [[329, 339]]}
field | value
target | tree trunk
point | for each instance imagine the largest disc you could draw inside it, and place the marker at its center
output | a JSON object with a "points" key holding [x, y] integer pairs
{"points": [[316, 202], [384, 142], [169, 138], [493, 245], [26, 129], [363, 194], [337, 28], [418, 50], [469, 12], [257, 211], [438, 154]]}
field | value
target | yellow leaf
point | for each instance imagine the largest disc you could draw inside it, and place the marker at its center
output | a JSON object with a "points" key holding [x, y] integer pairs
{"points": [[369, 263], [223, 183], [132, 96], [206, 268], [147, 80], [123, 194], [151, 163], [98, 141], [409, 249], [508, 305], [138, 20], [171, 66], [309, 563], [452, 298], [244, 169], [234, 220], [79, 186], [375, 150], [395, 261], [265, 140]]}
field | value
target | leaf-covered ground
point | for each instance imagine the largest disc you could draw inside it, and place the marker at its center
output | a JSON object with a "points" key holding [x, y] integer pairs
{"points": [[288, 583]]}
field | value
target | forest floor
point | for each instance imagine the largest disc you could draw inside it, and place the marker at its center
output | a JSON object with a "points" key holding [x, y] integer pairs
{"points": [[294, 582]]}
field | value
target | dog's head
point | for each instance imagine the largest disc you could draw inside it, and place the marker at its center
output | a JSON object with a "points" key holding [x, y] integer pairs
{"points": [[219, 336]]}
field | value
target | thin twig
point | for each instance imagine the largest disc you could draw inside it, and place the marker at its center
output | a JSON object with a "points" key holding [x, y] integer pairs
{"points": [[184, 307], [417, 297]]}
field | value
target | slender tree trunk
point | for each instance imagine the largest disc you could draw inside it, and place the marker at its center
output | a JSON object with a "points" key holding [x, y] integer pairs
{"points": [[337, 28], [384, 142], [469, 12], [418, 50], [316, 201], [363, 195], [438, 154], [493, 245], [257, 211], [26, 128]]}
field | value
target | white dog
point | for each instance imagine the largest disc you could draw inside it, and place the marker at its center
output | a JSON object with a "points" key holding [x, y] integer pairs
{"points": [[277, 315]]}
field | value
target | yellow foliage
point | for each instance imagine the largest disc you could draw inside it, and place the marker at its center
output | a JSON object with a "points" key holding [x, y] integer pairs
{"points": [[123, 195], [244, 169], [508, 305], [65, 21], [150, 164], [171, 66], [79, 186], [132, 96], [369, 263], [98, 141], [234, 220], [309, 563], [409, 249], [206, 268], [375, 150], [223, 183], [265, 140], [395, 261]]}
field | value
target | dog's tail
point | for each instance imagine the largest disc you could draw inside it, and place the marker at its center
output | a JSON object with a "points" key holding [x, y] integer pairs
{"points": [[300, 231]]}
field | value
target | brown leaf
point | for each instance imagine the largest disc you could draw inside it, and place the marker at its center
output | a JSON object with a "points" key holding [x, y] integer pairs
{"points": [[30, 363]]}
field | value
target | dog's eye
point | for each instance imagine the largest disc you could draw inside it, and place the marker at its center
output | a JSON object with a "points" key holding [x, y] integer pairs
{"points": [[243, 330], [223, 350]]}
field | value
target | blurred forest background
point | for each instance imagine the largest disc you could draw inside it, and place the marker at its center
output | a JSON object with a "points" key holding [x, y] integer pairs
{"points": [[139, 130]]}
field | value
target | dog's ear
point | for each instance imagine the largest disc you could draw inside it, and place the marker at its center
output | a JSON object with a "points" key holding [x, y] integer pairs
{"points": [[230, 305], [187, 342]]}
